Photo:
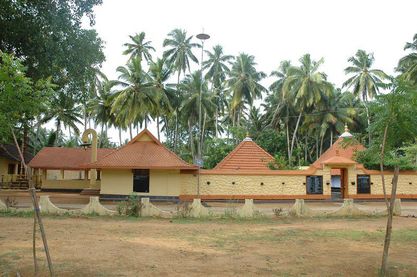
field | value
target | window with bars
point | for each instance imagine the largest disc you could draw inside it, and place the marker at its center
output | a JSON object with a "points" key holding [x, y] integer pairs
{"points": [[314, 184], [364, 184], [141, 180]]}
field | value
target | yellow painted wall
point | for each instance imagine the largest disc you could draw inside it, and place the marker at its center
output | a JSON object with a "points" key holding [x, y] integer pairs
{"points": [[161, 182], [65, 184], [250, 185], [4, 167], [404, 186]]}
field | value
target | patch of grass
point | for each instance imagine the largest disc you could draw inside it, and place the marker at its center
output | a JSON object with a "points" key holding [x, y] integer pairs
{"points": [[16, 213], [6, 260]]}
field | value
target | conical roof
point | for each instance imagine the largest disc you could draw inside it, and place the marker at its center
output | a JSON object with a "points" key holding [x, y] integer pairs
{"points": [[339, 154], [246, 156]]}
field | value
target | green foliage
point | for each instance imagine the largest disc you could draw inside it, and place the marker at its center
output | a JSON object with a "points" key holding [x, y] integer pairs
{"points": [[218, 149], [21, 100], [272, 141], [408, 64], [132, 207], [49, 36], [279, 162], [395, 111], [365, 81]]}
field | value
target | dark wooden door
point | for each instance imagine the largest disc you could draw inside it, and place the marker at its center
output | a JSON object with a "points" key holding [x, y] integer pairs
{"points": [[344, 182]]}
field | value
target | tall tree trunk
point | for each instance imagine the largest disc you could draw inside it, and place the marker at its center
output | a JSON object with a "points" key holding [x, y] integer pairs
{"points": [[146, 123], [369, 122], [317, 147], [85, 117], [176, 116], [176, 132], [130, 131], [388, 231], [157, 128], [305, 149], [58, 132], [191, 139], [217, 122], [381, 166], [321, 144], [288, 141], [331, 137], [120, 136], [294, 136]]}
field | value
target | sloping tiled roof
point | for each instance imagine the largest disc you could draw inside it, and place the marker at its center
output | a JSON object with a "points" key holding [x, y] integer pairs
{"points": [[10, 152], [338, 154], [338, 160], [142, 152], [246, 156], [65, 158]]}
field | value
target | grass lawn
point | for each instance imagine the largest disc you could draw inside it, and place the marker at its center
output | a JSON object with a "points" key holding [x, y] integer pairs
{"points": [[97, 246]]}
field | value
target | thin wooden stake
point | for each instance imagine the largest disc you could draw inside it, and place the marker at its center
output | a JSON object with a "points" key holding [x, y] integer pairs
{"points": [[34, 245], [36, 209]]}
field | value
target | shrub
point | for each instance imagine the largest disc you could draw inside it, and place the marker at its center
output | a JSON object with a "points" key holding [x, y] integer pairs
{"points": [[184, 210], [132, 207], [277, 212], [10, 202]]}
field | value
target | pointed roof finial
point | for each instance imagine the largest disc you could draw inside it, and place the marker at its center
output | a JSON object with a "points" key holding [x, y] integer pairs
{"points": [[346, 134], [247, 137]]}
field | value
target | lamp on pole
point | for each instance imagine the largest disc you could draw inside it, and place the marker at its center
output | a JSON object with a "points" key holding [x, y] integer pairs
{"points": [[202, 37]]}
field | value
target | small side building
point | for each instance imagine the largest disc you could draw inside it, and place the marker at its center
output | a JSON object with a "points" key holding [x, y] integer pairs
{"points": [[144, 167], [12, 172], [60, 168]]}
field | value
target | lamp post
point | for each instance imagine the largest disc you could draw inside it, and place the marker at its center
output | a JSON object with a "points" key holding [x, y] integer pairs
{"points": [[93, 144], [202, 37]]}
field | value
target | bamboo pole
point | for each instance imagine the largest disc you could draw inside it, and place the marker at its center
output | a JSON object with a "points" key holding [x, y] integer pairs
{"points": [[36, 209]]}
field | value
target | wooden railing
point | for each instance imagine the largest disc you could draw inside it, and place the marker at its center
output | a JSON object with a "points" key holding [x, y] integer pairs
{"points": [[14, 181]]}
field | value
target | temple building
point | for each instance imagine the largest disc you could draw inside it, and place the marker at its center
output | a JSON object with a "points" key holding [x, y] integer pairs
{"points": [[146, 167]]}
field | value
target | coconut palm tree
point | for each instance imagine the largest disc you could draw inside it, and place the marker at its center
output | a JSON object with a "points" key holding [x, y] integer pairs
{"points": [[408, 64], [158, 74], [191, 87], [139, 47], [101, 106], [217, 66], [136, 98], [178, 56], [244, 84], [329, 117], [304, 87], [365, 81], [179, 52], [279, 108], [65, 112], [217, 70]]}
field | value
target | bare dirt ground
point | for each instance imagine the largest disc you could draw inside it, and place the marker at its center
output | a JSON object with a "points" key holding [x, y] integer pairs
{"points": [[99, 246]]}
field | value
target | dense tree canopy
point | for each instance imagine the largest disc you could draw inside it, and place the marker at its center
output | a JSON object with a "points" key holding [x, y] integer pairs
{"points": [[48, 36], [295, 114]]}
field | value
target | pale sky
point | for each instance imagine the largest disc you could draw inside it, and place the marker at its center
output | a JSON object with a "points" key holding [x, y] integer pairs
{"points": [[271, 31]]}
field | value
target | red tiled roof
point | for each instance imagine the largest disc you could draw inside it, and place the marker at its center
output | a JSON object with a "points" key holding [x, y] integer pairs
{"points": [[65, 158], [246, 156], [338, 160], [142, 152], [338, 154]]}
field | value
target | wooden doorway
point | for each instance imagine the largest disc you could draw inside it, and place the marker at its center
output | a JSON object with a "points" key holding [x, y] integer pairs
{"points": [[344, 186]]}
